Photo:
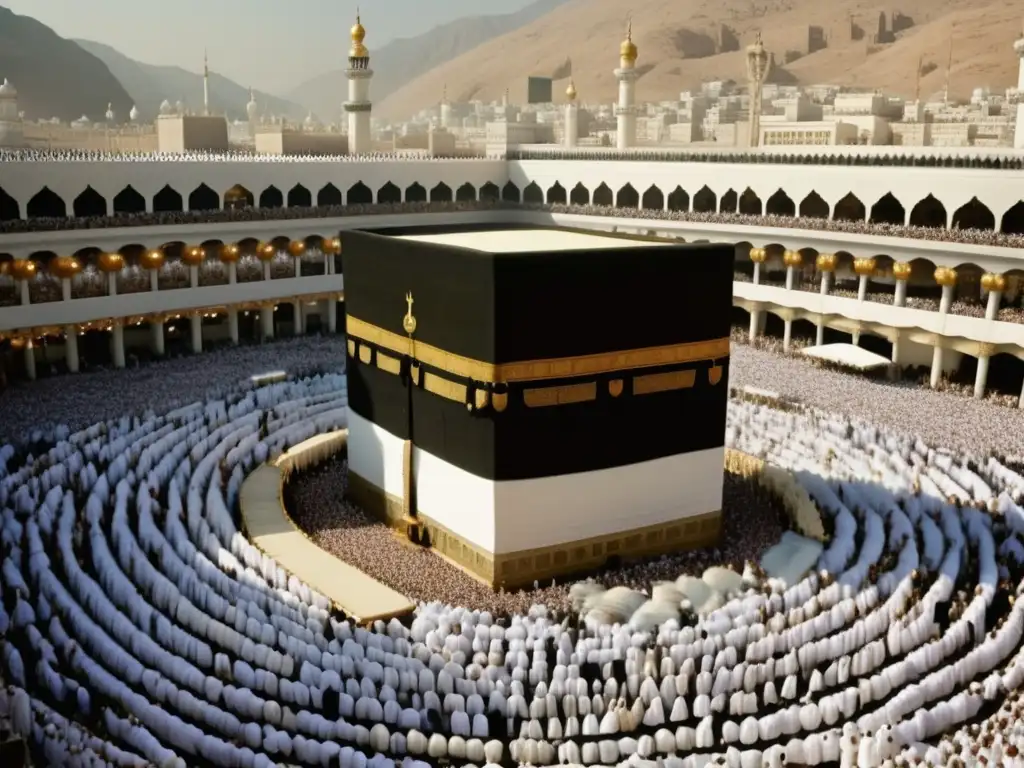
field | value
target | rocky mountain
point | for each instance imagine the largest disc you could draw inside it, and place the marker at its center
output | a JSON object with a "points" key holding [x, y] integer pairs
{"points": [[864, 43], [148, 85], [396, 63], [55, 77]]}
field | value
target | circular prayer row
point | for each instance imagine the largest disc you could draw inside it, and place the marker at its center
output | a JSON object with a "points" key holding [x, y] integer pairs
{"points": [[140, 625]]}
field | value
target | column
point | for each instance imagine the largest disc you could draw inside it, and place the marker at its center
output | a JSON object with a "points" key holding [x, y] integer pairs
{"points": [[71, 348], [195, 320], [826, 263], [298, 326], [332, 315], [896, 338], [995, 285], [267, 321], [864, 268], [981, 375], [157, 329], [30, 360], [758, 256], [230, 255], [901, 272], [117, 343], [945, 277], [23, 270], [792, 260]]}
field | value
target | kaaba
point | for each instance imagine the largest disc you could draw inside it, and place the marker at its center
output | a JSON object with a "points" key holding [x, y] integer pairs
{"points": [[537, 403]]}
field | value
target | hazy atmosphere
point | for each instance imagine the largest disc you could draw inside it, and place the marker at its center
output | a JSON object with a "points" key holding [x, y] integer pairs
{"points": [[268, 44]]}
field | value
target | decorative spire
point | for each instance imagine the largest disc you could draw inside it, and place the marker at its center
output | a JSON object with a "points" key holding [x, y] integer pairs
{"points": [[444, 93], [358, 34], [628, 50], [206, 84]]}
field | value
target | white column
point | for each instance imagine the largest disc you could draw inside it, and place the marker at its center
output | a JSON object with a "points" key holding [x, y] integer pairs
{"points": [[826, 276], [154, 280], [266, 270], [945, 277], [71, 348], [233, 312], [30, 360], [195, 322], [117, 344], [298, 324], [995, 285], [981, 375], [901, 272], [24, 293], [157, 329], [792, 260], [297, 265], [111, 283], [267, 322], [193, 275], [757, 255], [65, 288], [864, 269], [896, 358], [787, 333]]}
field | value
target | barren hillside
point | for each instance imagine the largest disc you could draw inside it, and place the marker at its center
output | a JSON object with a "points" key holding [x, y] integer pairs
{"points": [[689, 41]]}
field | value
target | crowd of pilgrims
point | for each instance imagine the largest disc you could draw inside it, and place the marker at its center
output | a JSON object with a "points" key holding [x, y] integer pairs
{"points": [[139, 626]]}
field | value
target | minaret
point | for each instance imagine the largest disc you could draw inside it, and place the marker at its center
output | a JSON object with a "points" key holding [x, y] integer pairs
{"points": [[625, 110], [1018, 137], [446, 109], [571, 117], [206, 85], [358, 105]]}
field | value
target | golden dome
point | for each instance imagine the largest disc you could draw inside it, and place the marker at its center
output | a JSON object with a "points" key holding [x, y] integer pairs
{"points": [[758, 255], [826, 262], [266, 252], [110, 262], [570, 92], [993, 282], [627, 51], [193, 256], [152, 259], [23, 269], [297, 247], [945, 276], [792, 258], [229, 253], [864, 267], [65, 267], [358, 34], [901, 270]]}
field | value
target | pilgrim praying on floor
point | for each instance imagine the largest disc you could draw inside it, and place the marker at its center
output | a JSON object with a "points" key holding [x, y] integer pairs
{"points": [[139, 625]]}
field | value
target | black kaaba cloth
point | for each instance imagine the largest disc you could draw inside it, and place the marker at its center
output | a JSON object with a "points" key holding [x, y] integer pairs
{"points": [[532, 364]]}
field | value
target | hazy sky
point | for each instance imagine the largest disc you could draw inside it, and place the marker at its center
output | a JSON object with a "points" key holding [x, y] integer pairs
{"points": [[268, 44]]}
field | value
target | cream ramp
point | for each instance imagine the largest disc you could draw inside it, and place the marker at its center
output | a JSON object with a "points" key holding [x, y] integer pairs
{"points": [[272, 531]]}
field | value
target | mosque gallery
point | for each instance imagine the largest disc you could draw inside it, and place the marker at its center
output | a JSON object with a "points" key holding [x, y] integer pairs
{"points": [[538, 402]]}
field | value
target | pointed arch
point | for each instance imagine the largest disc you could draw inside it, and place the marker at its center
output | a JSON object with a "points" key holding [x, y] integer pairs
{"points": [[415, 193], [328, 195], [730, 201], [579, 195], [813, 207], [974, 214], [46, 204], [389, 194], [465, 193], [705, 201], [128, 200], [202, 198], [679, 200], [750, 204], [9, 208], [557, 194], [627, 197], [238, 197], [168, 200], [929, 213], [1012, 222], [532, 194], [510, 193], [89, 204], [359, 194], [441, 193], [850, 208], [779, 204], [271, 197], [300, 197], [603, 195], [654, 198], [888, 210], [490, 191]]}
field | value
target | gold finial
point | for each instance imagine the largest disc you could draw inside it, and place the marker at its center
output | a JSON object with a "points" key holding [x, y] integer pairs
{"points": [[409, 321], [628, 51], [570, 92], [358, 34]]}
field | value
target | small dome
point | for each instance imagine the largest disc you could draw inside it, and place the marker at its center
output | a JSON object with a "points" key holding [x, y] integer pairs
{"points": [[134, 114], [358, 34], [166, 108], [7, 90], [627, 50], [570, 92]]}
